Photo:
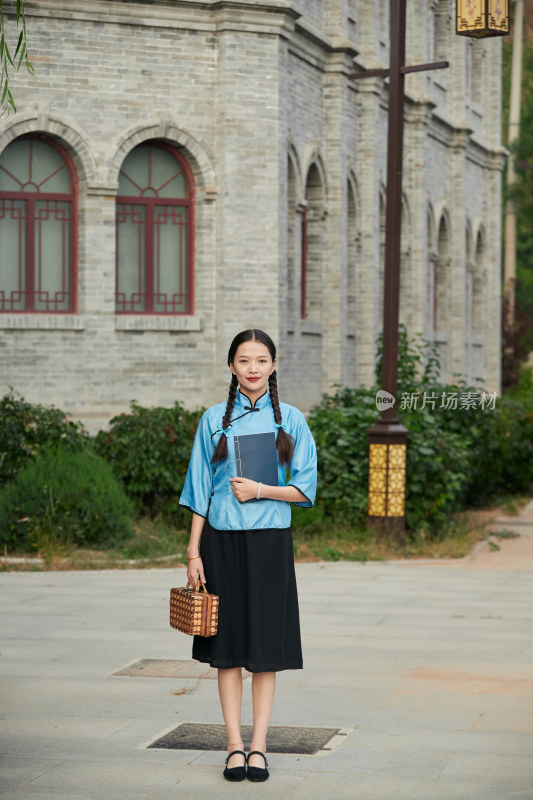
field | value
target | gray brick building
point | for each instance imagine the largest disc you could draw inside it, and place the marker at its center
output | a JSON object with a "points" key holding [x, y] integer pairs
{"points": [[178, 170]]}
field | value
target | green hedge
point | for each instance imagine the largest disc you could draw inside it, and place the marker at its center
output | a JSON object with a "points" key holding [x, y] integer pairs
{"points": [[149, 450], [455, 458], [26, 428], [66, 497]]}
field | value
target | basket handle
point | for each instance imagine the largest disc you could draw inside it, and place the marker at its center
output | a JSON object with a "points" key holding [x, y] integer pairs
{"points": [[198, 587]]}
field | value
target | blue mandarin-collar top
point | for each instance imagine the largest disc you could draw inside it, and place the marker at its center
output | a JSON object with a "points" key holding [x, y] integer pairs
{"points": [[207, 487]]}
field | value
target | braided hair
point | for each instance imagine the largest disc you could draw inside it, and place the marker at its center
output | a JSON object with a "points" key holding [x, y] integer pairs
{"points": [[284, 442], [221, 450]]}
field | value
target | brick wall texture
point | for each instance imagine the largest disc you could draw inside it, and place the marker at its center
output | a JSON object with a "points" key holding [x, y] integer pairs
{"points": [[244, 89]]}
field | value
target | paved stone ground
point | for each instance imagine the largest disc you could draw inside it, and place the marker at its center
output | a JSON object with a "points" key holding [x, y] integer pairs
{"points": [[427, 669]]}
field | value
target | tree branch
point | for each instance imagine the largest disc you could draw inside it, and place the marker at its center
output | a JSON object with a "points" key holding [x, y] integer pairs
{"points": [[13, 61]]}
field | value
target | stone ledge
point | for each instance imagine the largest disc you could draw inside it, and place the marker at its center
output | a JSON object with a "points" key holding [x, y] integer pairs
{"points": [[310, 328], [49, 322], [140, 322]]}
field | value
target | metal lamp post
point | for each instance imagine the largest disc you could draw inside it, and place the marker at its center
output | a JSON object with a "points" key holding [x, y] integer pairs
{"points": [[388, 437]]}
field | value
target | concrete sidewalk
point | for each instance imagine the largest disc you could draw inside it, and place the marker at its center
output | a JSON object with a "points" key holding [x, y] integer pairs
{"points": [[427, 669]]}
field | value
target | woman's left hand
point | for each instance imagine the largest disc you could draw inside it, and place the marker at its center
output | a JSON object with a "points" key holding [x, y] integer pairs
{"points": [[243, 488]]}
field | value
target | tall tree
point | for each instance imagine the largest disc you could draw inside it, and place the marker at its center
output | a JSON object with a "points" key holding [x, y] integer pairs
{"points": [[523, 191], [517, 338]]}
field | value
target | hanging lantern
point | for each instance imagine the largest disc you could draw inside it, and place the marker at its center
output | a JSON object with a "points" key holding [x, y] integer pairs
{"points": [[482, 18]]}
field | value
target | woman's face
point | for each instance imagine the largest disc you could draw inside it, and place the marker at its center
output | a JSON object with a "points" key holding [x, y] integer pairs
{"points": [[253, 366]]}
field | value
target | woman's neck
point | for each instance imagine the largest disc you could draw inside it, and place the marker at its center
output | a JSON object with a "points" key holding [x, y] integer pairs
{"points": [[252, 396]]}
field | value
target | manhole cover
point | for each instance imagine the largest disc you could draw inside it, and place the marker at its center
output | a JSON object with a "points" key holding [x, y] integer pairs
{"points": [[167, 668], [193, 736]]}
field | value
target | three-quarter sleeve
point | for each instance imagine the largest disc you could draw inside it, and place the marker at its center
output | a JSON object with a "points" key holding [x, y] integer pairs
{"points": [[303, 469], [199, 479]]}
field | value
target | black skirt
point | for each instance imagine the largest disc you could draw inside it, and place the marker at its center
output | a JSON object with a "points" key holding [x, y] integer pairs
{"points": [[258, 626]]}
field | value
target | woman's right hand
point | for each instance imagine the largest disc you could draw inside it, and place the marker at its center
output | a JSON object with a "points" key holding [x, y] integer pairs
{"points": [[194, 567]]}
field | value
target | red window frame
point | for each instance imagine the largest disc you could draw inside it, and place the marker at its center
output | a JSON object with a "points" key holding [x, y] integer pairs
{"points": [[150, 204], [30, 198]]}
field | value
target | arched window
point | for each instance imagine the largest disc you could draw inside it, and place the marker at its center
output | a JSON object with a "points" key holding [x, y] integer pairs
{"points": [[432, 260], [478, 283], [154, 232], [350, 286], [37, 227], [477, 71], [383, 17], [469, 66], [353, 246], [292, 245], [442, 280], [441, 31], [469, 280], [312, 247]]}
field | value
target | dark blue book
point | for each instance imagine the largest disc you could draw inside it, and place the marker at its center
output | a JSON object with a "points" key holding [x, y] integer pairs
{"points": [[257, 458]]}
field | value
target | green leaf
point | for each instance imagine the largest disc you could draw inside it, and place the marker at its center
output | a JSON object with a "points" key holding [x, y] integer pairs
{"points": [[21, 37], [21, 55], [8, 55]]}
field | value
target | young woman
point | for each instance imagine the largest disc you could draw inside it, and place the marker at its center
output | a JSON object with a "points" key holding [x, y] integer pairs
{"points": [[241, 540]]}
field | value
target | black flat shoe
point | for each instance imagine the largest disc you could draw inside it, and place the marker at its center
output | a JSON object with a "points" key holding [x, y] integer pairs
{"points": [[257, 774], [235, 773]]}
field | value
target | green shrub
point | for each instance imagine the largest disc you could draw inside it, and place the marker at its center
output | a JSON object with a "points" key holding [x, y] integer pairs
{"points": [[455, 457], [64, 497], [438, 469], [503, 451], [339, 425], [26, 428], [438, 460], [497, 439], [149, 450]]}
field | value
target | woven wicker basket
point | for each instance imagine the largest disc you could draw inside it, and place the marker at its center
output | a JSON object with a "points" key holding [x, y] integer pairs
{"points": [[194, 611]]}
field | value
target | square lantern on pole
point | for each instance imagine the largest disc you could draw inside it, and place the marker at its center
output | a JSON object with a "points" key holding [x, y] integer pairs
{"points": [[386, 480], [482, 18]]}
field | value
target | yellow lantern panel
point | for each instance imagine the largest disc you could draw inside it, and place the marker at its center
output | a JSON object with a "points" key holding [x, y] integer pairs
{"points": [[482, 18], [469, 15], [386, 480], [376, 505], [498, 16], [397, 456], [396, 505], [378, 456], [377, 480], [397, 480]]}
